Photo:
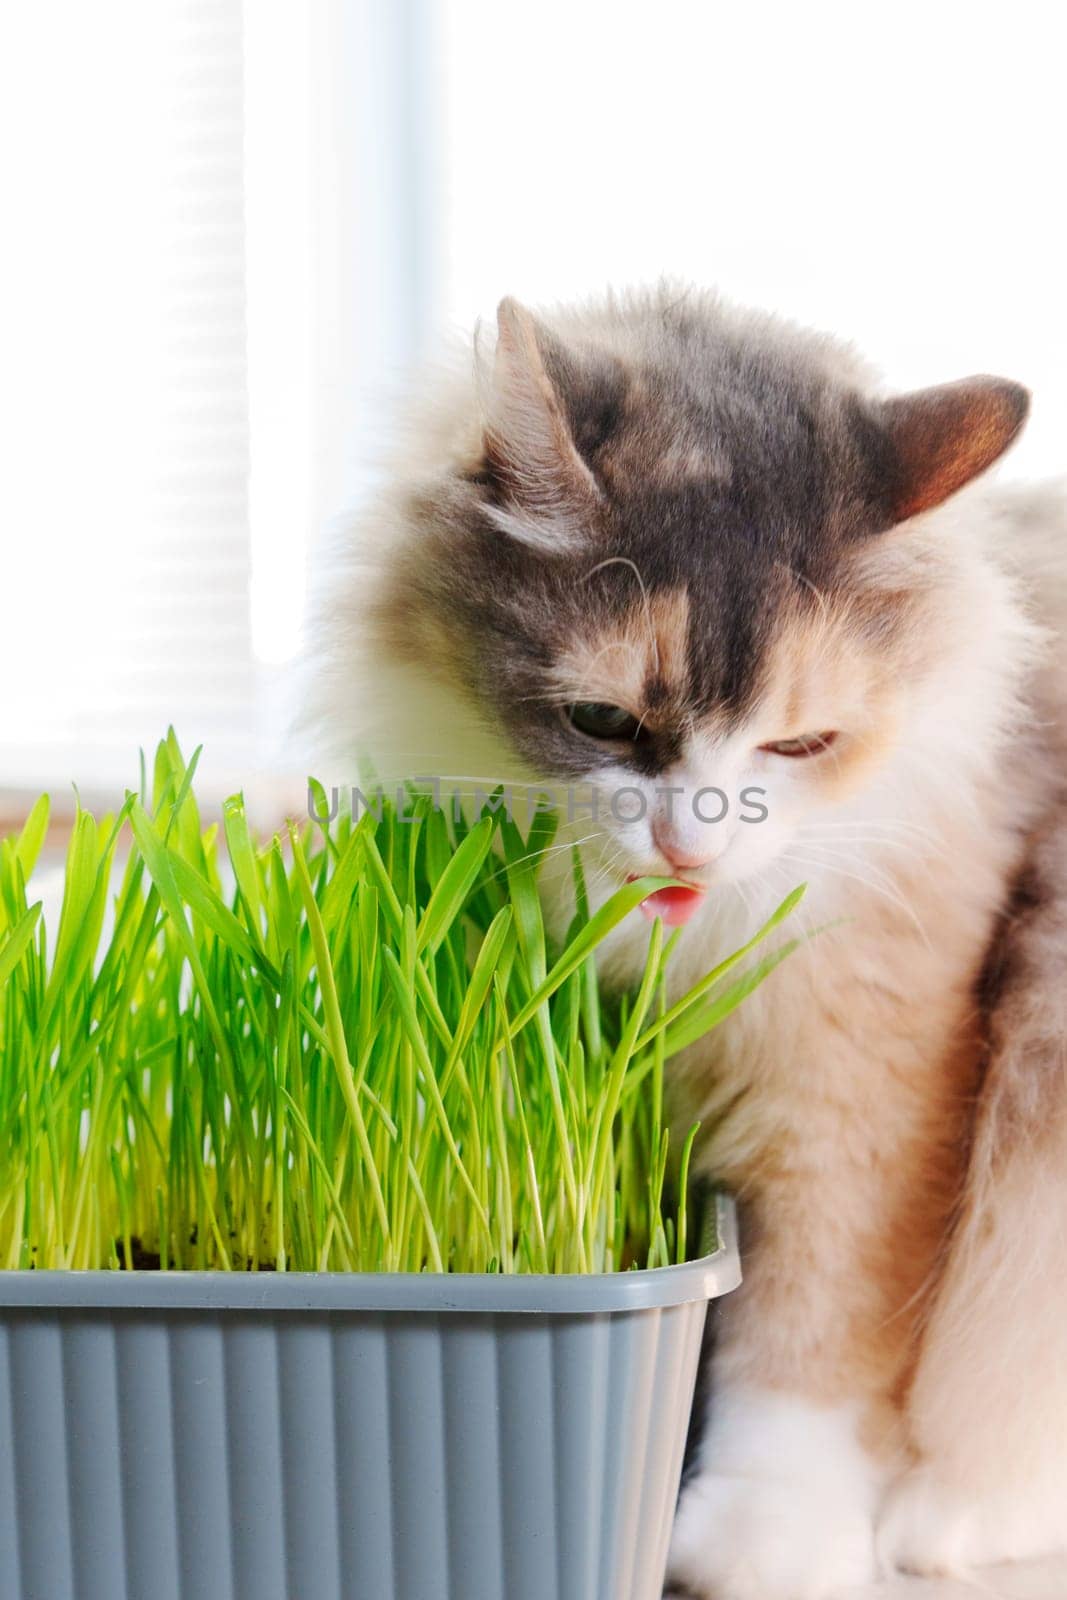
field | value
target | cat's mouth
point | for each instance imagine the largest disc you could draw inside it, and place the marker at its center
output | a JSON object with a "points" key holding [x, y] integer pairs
{"points": [[674, 906]]}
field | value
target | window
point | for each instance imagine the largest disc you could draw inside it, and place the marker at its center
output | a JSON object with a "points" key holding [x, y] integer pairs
{"points": [[221, 261], [125, 498]]}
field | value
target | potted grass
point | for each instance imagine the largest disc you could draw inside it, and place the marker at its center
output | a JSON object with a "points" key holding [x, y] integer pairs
{"points": [[346, 1255]]}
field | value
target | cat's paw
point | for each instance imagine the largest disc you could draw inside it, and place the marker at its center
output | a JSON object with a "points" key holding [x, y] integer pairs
{"points": [[741, 1539], [783, 1509], [925, 1529], [931, 1526]]}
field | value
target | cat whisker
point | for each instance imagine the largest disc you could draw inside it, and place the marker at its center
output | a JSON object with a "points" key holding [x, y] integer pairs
{"points": [[887, 894], [859, 849], [806, 583], [549, 850], [625, 561]]}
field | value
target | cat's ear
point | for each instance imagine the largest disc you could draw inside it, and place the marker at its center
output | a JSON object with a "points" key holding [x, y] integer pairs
{"points": [[941, 438], [547, 489]]}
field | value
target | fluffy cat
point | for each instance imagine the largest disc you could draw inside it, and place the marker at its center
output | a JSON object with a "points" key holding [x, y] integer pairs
{"points": [[662, 545]]}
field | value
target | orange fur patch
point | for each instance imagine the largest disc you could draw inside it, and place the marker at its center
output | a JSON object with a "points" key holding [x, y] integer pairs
{"points": [[622, 663], [824, 675]]}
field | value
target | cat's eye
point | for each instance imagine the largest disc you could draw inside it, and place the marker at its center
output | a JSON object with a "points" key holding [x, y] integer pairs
{"points": [[600, 721], [808, 744]]}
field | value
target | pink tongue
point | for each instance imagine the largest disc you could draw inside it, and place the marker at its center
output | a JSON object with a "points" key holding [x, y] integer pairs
{"points": [[675, 906]]}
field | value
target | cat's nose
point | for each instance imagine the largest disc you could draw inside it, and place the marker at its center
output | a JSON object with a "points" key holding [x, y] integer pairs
{"points": [[682, 852]]}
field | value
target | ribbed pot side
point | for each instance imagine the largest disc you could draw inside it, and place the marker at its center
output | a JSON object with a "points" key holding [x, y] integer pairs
{"points": [[227, 1436]]}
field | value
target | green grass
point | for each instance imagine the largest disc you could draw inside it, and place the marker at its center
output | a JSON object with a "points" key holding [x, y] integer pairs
{"points": [[354, 1049]]}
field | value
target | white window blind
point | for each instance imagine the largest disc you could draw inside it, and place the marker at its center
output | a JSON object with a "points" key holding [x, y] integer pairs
{"points": [[221, 252], [124, 491]]}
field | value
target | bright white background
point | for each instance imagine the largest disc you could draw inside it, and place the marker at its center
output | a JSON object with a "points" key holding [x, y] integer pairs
{"points": [[230, 233]]}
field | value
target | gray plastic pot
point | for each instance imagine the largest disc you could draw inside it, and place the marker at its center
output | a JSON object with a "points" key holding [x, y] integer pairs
{"points": [[217, 1436]]}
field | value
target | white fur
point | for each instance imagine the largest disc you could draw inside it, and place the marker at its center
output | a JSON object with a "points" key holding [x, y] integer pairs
{"points": [[783, 1508]]}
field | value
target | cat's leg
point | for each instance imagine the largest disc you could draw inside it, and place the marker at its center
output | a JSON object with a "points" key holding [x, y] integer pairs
{"points": [[840, 1229], [840, 1117], [988, 1407], [800, 1437]]}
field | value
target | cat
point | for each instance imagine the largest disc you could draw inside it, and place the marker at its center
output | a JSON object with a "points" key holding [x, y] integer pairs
{"points": [[666, 546]]}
